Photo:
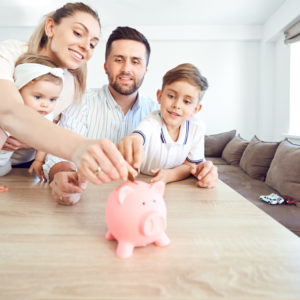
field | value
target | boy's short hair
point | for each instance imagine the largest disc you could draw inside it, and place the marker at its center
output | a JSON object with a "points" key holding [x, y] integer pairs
{"points": [[30, 58], [189, 73], [127, 33]]}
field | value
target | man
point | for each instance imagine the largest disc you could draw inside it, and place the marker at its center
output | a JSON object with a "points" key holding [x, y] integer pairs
{"points": [[111, 112]]}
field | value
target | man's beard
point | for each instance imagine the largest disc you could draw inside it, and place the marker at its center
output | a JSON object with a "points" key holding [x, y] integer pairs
{"points": [[125, 90]]}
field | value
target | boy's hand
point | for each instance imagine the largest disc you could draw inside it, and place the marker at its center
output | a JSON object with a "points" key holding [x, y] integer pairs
{"points": [[131, 147], [37, 167], [160, 175], [206, 174]]}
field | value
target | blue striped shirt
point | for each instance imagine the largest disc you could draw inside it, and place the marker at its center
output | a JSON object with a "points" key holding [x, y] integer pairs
{"points": [[99, 116]]}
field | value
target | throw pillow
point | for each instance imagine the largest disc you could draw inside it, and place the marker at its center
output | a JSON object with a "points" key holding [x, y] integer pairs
{"points": [[234, 150], [257, 158], [284, 172], [215, 143]]}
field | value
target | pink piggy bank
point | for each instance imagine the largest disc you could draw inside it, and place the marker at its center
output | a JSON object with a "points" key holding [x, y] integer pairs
{"points": [[136, 216]]}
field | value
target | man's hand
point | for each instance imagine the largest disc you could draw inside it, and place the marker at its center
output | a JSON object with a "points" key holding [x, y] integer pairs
{"points": [[206, 174], [12, 144], [131, 147], [37, 167], [66, 187]]}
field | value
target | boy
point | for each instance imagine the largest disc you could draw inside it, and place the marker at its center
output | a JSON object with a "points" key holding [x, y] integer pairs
{"points": [[173, 140]]}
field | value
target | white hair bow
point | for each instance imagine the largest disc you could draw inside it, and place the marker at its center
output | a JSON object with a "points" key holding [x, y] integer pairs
{"points": [[24, 73]]}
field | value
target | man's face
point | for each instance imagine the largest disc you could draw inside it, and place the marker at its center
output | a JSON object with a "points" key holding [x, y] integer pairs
{"points": [[126, 66]]}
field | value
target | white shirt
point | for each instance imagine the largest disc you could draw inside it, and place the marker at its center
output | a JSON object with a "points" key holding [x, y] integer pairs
{"points": [[8, 158], [99, 116], [161, 151]]}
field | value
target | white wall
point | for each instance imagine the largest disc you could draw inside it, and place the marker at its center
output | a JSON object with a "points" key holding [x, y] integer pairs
{"points": [[247, 69], [229, 58]]}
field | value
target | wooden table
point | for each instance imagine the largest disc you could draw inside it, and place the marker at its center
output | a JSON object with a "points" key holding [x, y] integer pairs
{"points": [[222, 246]]}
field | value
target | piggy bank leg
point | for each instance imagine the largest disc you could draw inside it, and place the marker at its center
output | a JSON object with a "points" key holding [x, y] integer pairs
{"points": [[124, 249], [109, 236], [162, 241]]}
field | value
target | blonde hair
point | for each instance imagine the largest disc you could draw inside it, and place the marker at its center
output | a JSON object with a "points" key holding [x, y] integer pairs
{"points": [[39, 39], [42, 60], [189, 73]]}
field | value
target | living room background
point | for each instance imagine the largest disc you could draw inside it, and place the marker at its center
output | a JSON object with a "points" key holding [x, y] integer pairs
{"points": [[247, 67]]}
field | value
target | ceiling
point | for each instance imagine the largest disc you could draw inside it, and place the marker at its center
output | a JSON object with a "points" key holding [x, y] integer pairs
{"points": [[149, 12]]}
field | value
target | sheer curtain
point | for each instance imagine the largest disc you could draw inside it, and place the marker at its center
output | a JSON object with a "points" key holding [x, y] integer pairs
{"points": [[292, 37]]}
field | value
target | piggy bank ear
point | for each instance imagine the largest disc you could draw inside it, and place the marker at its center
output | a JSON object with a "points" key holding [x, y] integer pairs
{"points": [[124, 192], [158, 187]]}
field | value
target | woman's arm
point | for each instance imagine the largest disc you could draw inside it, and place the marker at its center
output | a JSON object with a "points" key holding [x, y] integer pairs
{"points": [[30, 127], [27, 125]]}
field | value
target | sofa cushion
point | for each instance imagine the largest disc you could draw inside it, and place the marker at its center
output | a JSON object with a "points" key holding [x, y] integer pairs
{"points": [[284, 172], [234, 150], [257, 158], [215, 143]]}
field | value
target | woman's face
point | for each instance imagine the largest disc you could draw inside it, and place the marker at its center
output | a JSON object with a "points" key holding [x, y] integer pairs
{"points": [[72, 41]]}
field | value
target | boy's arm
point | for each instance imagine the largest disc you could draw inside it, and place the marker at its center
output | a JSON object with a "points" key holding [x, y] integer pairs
{"points": [[170, 175]]}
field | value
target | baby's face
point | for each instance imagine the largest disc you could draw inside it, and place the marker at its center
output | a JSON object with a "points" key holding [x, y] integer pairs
{"points": [[178, 102], [41, 95]]}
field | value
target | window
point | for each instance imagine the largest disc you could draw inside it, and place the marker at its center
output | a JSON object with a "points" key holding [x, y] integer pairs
{"points": [[294, 126]]}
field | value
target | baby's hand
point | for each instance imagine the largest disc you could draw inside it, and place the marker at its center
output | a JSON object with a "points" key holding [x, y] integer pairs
{"points": [[37, 167], [3, 188], [160, 175]]}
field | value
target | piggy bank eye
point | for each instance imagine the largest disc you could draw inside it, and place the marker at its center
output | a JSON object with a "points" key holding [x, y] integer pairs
{"points": [[144, 203]]}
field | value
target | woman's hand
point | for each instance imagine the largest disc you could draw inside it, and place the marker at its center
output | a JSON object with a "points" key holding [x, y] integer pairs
{"points": [[12, 144], [101, 162]]}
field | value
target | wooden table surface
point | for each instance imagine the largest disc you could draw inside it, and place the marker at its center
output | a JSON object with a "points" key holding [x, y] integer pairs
{"points": [[222, 246]]}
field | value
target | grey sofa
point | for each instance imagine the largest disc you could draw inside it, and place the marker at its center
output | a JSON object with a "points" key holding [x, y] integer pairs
{"points": [[254, 168]]}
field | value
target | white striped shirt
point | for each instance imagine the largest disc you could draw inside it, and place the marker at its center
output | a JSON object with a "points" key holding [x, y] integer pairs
{"points": [[99, 116]]}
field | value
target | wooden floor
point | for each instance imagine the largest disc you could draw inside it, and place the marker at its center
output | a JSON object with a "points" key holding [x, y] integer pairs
{"points": [[222, 247]]}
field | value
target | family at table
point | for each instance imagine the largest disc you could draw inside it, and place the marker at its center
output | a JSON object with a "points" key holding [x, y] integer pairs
{"points": [[102, 134]]}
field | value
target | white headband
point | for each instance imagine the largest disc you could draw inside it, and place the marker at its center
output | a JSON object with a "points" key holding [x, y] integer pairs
{"points": [[24, 73]]}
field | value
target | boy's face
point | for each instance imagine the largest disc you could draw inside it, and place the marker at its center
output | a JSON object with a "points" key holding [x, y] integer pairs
{"points": [[178, 101], [41, 95]]}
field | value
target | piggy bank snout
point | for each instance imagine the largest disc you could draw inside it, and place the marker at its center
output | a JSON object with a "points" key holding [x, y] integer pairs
{"points": [[153, 224]]}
